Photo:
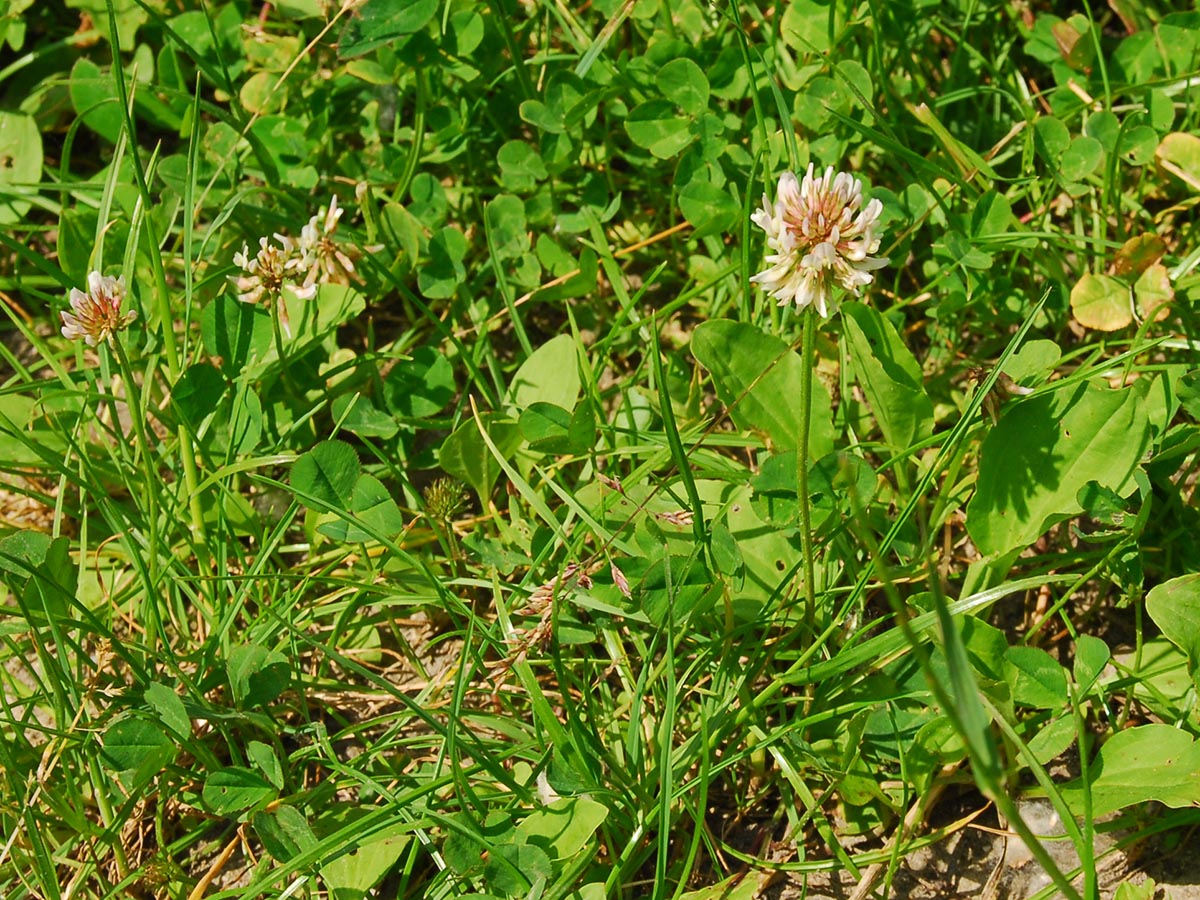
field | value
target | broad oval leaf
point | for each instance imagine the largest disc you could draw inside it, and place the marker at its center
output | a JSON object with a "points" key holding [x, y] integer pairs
{"points": [[312, 321], [234, 789], [358, 414], [889, 376], [1034, 678], [135, 744], [374, 507], [170, 708], [806, 26], [1153, 292], [93, 95], [757, 377], [1034, 361], [1051, 138], [657, 126], [354, 873], [1138, 144], [541, 116], [1139, 253], [677, 585], [245, 422], [1150, 762], [444, 271], [235, 332], [197, 393], [1091, 656], [544, 422], [684, 82], [514, 868], [521, 165], [21, 152], [709, 209], [1175, 608], [550, 375], [264, 758], [327, 473], [565, 826], [23, 550], [256, 674], [507, 232], [420, 386], [1081, 158], [285, 832], [1043, 451], [1179, 154], [379, 22], [466, 456]]}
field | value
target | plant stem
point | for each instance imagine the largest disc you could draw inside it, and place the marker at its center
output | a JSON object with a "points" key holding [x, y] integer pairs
{"points": [[133, 402], [162, 295], [802, 493], [187, 453]]}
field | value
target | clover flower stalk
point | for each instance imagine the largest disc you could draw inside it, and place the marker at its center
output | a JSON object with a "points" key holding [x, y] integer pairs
{"points": [[96, 318], [821, 239]]}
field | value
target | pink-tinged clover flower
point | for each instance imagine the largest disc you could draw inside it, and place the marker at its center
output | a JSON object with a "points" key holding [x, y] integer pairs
{"points": [[819, 236], [95, 314]]}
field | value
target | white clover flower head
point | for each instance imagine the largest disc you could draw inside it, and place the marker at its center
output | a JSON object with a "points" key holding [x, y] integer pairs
{"points": [[298, 265], [270, 269], [819, 235], [328, 262], [322, 225], [96, 315]]}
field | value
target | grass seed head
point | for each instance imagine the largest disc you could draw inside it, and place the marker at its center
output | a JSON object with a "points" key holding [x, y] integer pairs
{"points": [[443, 499]]}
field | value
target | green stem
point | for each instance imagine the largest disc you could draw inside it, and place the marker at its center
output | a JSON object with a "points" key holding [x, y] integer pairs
{"points": [[802, 493], [133, 401], [99, 785], [418, 139], [162, 294]]}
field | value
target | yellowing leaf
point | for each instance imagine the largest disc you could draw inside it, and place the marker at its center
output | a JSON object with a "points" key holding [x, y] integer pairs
{"points": [[1074, 42], [1153, 292], [1101, 302], [259, 94], [1179, 154]]}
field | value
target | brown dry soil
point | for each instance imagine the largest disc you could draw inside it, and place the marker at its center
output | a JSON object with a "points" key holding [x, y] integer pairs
{"points": [[985, 864]]}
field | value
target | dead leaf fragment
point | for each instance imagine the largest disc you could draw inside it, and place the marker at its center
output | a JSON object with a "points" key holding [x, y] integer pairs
{"points": [[1138, 254]]}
